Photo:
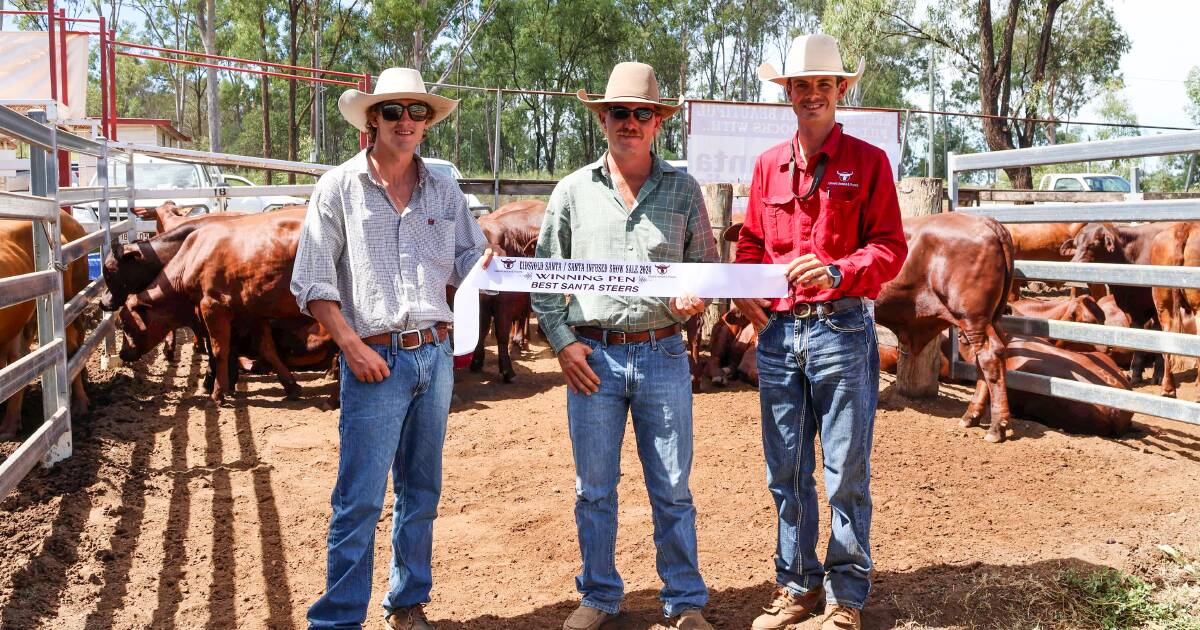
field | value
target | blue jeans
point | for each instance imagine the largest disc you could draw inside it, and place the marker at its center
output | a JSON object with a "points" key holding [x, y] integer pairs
{"points": [[398, 424], [820, 376], [651, 380]]}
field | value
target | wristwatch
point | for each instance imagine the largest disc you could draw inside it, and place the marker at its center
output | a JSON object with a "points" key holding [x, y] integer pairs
{"points": [[836, 274]]}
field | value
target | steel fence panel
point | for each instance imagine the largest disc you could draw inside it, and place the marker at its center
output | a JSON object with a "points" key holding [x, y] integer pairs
{"points": [[1108, 273], [26, 207], [1117, 148], [17, 289], [23, 371], [1099, 334], [14, 469], [1160, 210]]}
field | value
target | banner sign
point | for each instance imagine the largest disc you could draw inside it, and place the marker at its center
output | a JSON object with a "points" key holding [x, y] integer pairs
{"points": [[646, 279], [724, 140]]}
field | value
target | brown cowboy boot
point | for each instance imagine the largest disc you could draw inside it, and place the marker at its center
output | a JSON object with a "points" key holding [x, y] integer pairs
{"points": [[411, 618], [586, 618], [691, 619], [786, 609], [839, 617]]}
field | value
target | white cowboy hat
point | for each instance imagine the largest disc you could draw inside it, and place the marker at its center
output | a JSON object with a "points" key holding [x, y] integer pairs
{"points": [[394, 84], [630, 82], [812, 56]]}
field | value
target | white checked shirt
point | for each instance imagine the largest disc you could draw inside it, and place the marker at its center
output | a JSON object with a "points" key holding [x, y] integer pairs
{"points": [[387, 269]]}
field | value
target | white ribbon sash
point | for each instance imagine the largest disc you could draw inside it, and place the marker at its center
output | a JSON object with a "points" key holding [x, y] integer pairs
{"points": [[644, 279]]}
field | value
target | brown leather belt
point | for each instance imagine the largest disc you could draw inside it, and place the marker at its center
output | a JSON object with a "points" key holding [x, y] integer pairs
{"points": [[410, 339], [618, 337], [810, 309]]}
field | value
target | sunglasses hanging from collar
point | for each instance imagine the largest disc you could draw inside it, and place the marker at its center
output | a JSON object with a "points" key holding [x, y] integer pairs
{"points": [[818, 173]]}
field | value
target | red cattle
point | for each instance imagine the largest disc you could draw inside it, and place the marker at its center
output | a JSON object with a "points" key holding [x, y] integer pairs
{"points": [[512, 230], [732, 339], [16, 258], [1178, 246], [1096, 368], [224, 272], [1039, 241], [958, 273], [1121, 244], [1082, 309]]}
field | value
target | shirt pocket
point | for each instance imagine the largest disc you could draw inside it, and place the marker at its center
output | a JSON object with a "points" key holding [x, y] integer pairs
{"points": [[665, 235], [837, 227], [779, 219], [434, 245]]}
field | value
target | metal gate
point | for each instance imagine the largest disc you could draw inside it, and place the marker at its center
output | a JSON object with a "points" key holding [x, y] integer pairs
{"points": [[1132, 209]]}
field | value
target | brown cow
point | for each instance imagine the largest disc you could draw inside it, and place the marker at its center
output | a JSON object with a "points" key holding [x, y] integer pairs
{"points": [[958, 273], [226, 272], [1121, 244], [1082, 309], [1039, 241], [1177, 246], [1097, 368], [16, 258], [512, 230], [168, 215], [732, 338]]}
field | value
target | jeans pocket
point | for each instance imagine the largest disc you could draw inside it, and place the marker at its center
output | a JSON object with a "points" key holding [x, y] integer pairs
{"points": [[847, 321], [673, 346], [770, 320]]}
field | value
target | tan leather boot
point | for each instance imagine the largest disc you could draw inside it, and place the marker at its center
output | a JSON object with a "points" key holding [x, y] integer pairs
{"points": [[411, 618], [786, 609], [691, 619], [586, 618], [841, 618]]}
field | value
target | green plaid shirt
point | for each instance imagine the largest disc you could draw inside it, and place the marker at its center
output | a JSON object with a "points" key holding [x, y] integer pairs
{"points": [[588, 219]]}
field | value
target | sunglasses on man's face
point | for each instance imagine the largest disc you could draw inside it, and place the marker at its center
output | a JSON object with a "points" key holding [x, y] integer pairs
{"points": [[394, 111], [621, 113]]}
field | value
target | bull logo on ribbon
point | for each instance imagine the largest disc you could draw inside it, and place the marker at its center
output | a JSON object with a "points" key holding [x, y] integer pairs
{"points": [[662, 269], [508, 262]]}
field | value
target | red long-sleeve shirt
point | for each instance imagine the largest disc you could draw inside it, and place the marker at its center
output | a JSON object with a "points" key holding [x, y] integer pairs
{"points": [[853, 221]]}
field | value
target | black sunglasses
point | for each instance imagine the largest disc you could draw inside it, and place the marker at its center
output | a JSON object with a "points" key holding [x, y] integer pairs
{"points": [[393, 111], [621, 113]]}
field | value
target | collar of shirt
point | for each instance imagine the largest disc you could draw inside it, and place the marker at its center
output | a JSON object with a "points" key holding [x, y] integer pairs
{"points": [[358, 165], [658, 166], [830, 147]]}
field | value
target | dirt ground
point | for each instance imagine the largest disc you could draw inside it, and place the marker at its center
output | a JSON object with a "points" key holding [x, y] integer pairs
{"points": [[174, 514]]}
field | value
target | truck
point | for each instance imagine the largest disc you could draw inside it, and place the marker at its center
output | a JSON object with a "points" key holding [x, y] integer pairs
{"points": [[1084, 182]]}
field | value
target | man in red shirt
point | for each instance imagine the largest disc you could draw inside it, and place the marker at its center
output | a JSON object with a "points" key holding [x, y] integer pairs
{"points": [[824, 203]]}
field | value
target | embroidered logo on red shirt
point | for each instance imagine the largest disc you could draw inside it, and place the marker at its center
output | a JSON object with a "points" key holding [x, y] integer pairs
{"points": [[844, 177], [429, 221]]}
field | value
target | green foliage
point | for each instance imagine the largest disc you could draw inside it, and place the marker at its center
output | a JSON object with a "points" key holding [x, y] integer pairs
{"points": [[1113, 600], [1192, 85]]}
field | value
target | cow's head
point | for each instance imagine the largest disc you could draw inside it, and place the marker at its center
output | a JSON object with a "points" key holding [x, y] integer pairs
{"points": [[128, 268], [1095, 242], [143, 326], [1085, 310]]}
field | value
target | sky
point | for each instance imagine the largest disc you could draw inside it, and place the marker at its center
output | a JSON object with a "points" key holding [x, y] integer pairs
{"points": [[1164, 47], [1163, 38]]}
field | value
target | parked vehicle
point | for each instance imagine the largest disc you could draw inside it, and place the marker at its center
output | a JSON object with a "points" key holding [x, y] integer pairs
{"points": [[169, 175], [477, 207], [1084, 182]]}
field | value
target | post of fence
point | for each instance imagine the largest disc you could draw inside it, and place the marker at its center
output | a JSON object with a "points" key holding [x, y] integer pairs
{"points": [[718, 200], [47, 248], [110, 340], [496, 153], [917, 372]]}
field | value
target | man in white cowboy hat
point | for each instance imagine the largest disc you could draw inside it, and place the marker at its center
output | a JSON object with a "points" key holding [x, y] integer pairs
{"points": [[824, 204], [623, 353], [383, 237]]}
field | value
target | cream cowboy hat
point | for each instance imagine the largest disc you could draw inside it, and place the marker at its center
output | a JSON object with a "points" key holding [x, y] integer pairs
{"points": [[630, 82], [812, 56], [394, 84]]}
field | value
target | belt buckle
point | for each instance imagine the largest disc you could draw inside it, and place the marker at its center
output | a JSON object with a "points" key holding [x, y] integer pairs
{"points": [[624, 337], [420, 339], [803, 309]]}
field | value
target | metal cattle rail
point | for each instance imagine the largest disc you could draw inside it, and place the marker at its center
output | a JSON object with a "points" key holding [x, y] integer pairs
{"points": [[1133, 208], [51, 442]]}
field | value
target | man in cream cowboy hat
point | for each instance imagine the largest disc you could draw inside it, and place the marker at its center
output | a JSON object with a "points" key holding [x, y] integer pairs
{"points": [[841, 239], [622, 354], [383, 237]]}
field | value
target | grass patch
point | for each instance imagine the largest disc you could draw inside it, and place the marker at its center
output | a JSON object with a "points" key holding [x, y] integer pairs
{"points": [[1114, 600]]}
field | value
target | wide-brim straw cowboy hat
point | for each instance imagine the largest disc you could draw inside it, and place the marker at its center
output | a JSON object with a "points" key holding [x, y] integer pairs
{"points": [[394, 84], [812, 56], [630, 82]]}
